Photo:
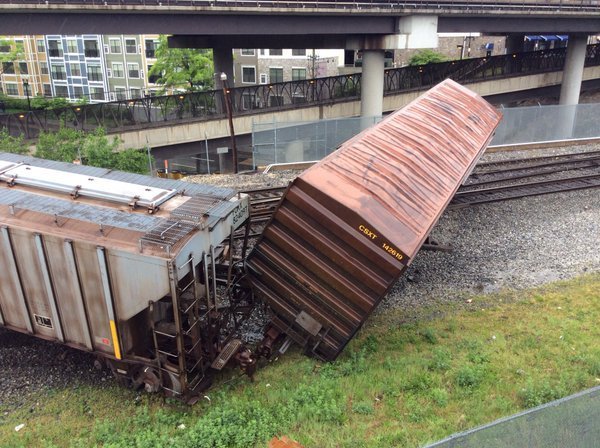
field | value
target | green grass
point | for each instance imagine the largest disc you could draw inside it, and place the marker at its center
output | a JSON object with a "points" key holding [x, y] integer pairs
{"points": [[408, 378]]}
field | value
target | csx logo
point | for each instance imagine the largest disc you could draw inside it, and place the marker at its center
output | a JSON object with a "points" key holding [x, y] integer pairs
{"points": [[367, 232]]}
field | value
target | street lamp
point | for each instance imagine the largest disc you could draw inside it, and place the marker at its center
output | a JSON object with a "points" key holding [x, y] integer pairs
{"points": [[228, 107], [26, 87]]}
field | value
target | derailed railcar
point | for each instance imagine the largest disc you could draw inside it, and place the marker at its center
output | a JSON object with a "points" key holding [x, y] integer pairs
{"points": [[348, 227], [142, 272], [121, 265]]}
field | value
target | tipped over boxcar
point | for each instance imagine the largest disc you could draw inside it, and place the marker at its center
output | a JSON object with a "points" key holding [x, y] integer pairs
{"points": [[151, 275], [348, 227]]}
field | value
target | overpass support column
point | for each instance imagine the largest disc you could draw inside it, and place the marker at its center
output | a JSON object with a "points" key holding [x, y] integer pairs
{"points": [[514, 43], [223, 62], [371, 84], [573, 70]]}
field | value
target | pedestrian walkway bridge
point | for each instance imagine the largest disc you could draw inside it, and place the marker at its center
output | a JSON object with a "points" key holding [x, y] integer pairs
{"points": [[166, 120]]}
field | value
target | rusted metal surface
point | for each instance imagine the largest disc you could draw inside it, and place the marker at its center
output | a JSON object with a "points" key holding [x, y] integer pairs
{"points": [[348, 227]]}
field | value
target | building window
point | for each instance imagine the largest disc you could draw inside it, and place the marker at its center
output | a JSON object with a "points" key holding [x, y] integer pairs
{"points": [[263, 78], [62, 91], [275, 74], [72, 46], [44, 68], [94, 73], [55, 49], [130, 46], [135, 93], [151, 48], [248, 101], [75, 69], [97, 93], [297, 52], [58, 72], [11, 89], [117, 70], [23, 68], [77, 92], [120, 93], [8, 68], [248, 75], [41, 46], [248, 52], [298, 74], [133, 70], [47, 89], [115, 46], [152, 78], [91, 49], [275, 52]]}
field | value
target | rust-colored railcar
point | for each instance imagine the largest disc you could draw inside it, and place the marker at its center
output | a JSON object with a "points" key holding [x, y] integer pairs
{"points": [[348, 227]]}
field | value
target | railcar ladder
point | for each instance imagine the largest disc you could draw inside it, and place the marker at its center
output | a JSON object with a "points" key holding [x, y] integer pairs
{"points": [[183, 334]]}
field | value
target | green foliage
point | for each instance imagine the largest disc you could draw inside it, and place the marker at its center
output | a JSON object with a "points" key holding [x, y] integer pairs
{"points": [[469, 376], [39, 102], [537, 393], [8, 143], [191, 69], [441, 360], [63, 145], [95, 149], [390, 387], [439, 396], [423, 57], [429, 335], [362, 408], [15, 52], [236, 423]]}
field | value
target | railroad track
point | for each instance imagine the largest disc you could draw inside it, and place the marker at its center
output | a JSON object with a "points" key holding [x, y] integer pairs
{"points": [[495, 194], [479, 190], [512, 171]]}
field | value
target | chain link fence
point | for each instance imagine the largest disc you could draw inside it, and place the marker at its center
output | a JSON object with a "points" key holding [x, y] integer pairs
{"points": [[572, 422], [547, 123], [284, 142]]}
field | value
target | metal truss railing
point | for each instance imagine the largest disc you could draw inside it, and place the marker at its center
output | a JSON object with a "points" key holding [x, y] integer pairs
{"points": [[158, 111], [388, 5]]}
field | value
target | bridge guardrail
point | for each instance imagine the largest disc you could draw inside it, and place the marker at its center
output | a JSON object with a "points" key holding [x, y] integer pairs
{"points": [[388, 5], [149, 111]]}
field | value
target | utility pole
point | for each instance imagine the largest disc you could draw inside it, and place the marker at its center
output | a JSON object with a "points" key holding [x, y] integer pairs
{"points": [[26, 87], [229, 107]]}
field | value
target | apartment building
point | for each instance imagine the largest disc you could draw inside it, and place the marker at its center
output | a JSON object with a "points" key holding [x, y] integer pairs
{"points": [[267, 66], [129, 58], [28, 76], [91, 67]]}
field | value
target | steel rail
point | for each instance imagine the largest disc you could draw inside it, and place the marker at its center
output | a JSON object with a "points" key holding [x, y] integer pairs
{"points": [[584, 155], [464, 199], [478, 180]]}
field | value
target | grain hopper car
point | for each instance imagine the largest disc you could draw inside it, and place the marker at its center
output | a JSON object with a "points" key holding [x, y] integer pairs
{"points": [[142, 272], [121, 265]]}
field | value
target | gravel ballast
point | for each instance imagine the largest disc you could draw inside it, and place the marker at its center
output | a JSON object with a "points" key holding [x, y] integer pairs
{"points": [[514, 244]]}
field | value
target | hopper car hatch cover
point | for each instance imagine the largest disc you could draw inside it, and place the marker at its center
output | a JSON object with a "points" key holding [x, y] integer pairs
{"points": [[348, 226]]}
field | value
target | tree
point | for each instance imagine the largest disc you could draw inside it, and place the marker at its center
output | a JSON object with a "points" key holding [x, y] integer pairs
{"points": [[94, 149], [423, 57], [8, 143], [10, 51], [187, 68]]}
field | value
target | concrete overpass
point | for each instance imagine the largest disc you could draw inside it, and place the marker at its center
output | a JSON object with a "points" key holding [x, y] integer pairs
{"points": [[184, 121], [219, 129], [370, 26]]}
